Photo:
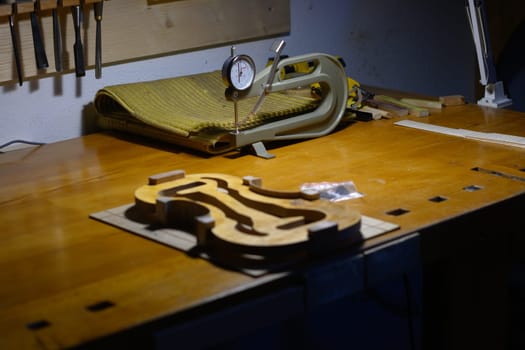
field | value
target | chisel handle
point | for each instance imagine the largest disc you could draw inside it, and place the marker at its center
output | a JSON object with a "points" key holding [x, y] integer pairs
{"points": [[14, 39], [77, 46], [38, 44], [57, 41]]}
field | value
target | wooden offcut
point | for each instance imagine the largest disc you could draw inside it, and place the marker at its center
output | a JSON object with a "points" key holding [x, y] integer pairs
{"points": [[413, 109], [391, 109], [423, 103], [452, 100]]}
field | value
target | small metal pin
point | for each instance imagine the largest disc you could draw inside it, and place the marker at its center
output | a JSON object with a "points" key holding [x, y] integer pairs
{"points": [[235, 98]]}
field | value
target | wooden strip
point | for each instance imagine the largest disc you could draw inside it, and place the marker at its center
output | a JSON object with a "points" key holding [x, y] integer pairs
{"points": [[390, 108], [165, 177], [503, 139], [376, 113], [423, 103], [414, 110]]}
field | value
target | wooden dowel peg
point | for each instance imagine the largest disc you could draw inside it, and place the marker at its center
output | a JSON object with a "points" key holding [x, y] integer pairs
{"points": [[24, 7]]}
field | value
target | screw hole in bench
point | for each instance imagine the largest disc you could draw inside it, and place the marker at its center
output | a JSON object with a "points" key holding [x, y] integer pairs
{"points": [[100, 306], [398, 212], [38, 325]]}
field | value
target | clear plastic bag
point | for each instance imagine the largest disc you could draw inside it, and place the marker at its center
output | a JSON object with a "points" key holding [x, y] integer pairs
{"points": [[333, 191]]}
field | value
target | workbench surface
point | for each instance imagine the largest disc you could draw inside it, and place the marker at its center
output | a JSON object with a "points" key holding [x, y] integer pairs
{"points": [[67, 279]]}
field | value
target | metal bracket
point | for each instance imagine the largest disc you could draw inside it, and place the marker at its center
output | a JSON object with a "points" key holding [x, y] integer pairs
{"points": [[495, 96], [260, 150]]}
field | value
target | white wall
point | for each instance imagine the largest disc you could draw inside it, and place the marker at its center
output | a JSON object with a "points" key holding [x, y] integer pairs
{"points": [[410, 45]]}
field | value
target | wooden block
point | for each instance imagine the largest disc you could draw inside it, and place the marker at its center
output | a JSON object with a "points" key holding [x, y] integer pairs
{"points": [[376, 113], [423, 103], [323, 235], [203, 225], [414, 110], [393, 110], [165, 177], [252, 181], [67, 3], [24, 7], [46, 4], [162, 209], [452, 100], [5, 10]]}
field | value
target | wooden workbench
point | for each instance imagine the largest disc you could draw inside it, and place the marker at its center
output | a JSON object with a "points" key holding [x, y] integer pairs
{"points": [[73, 279]]}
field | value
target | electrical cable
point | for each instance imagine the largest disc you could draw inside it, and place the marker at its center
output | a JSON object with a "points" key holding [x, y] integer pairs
{"points": [[21, 141]]}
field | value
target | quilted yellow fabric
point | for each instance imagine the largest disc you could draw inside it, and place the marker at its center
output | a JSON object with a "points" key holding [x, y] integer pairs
{"points": [[193, 105]]}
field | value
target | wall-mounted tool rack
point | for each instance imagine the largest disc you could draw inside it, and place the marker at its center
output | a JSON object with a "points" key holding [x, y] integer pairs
{"points": [[132, 29]]}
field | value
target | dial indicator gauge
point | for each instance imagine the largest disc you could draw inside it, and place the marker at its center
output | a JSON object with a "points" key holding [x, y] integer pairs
{"points": [[238, 72]]}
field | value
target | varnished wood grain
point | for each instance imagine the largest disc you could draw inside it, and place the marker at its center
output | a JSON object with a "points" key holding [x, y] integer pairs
{"points": [[55, 261]]}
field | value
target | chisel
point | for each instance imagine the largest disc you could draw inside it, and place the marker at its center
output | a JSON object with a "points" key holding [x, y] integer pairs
{"points": [[38, 44], [97, 9], [8, 9], [77, 46], [57, 41], [14, 39], [44, 5]]}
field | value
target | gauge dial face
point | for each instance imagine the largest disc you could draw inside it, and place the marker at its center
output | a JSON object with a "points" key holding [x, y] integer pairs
{"points": [[239, 72]]}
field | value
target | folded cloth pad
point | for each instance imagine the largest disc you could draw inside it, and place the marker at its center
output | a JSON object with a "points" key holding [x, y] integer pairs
{"points": [[190, 110]]}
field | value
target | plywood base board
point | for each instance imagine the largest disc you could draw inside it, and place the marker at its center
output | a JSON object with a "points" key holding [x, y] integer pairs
{"points": [[121, 217]]}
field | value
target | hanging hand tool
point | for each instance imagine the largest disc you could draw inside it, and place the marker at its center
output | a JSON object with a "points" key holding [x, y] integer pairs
{"points": [[57, 40], [40, 51], [97, 8], [16, 51], [77, 46], [9, 10], [38, 44]]}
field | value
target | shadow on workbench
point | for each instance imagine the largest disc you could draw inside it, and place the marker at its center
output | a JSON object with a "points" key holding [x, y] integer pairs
{"points": [[474, 280], [465, 291], [369, 301], [375, 319]]}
